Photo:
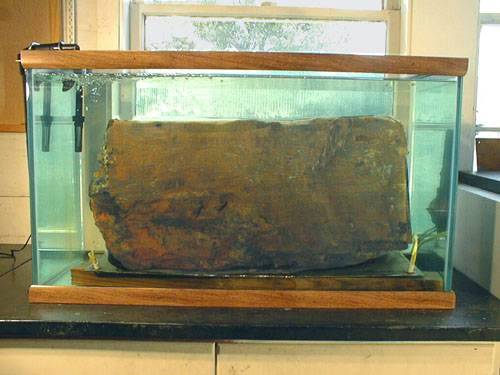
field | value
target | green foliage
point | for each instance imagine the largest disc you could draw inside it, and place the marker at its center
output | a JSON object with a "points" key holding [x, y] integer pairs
{"points": [[181, 44], [241, 35]]}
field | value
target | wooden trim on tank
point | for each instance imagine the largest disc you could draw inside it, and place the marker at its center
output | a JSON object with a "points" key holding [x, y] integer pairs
{"points": [[207, 298], [418, 65]]}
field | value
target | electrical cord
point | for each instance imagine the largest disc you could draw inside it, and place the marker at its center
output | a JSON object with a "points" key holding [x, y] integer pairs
{"points": [[12, 255]]}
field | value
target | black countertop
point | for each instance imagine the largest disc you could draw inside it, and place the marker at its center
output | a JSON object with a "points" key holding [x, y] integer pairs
{"points": [[476, 318], [485, 180]]}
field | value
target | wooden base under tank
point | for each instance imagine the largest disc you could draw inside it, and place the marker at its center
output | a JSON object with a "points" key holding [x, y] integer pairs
{"points": [[222, 298], [389, 288], [389, 272]]}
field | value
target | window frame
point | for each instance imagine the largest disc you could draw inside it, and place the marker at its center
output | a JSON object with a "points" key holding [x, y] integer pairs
{"points": [[484, 19], [390, 14]]}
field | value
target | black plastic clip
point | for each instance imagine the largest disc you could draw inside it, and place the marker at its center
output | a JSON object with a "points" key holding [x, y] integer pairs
{"points": [[46, 118], [78, 119]]}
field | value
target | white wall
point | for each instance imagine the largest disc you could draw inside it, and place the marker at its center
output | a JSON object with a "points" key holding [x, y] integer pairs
{"points": [[449, 28], [477, 241], [98, 24]]}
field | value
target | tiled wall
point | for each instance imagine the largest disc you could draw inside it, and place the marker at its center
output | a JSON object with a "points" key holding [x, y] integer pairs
{"points": [[14, 190]]}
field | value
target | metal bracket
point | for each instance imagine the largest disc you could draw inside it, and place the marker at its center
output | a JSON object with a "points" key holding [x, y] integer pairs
{"points": [[54, 46]]}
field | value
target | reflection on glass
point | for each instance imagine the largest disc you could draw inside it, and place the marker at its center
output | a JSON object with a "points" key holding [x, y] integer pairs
{"points": [[263, 98]]}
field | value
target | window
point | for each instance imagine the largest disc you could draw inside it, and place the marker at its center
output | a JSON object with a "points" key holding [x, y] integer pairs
{"points": [[253, 34], [488, 108], [329, 26], [354, 26]]}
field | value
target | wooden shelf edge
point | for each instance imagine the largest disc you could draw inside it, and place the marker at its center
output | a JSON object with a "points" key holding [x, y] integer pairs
{"points": [[12, 128], [211, 298], [418, 65]]}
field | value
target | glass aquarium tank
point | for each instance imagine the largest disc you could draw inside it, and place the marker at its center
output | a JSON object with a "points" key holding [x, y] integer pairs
{"points": [[242, 170]]}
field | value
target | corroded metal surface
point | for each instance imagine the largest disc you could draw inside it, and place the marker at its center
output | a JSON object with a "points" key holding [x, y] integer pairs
{"points": [[252, 195]]}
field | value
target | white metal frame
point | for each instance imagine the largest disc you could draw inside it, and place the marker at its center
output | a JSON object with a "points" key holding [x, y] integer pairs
{"points": [[486, 19], [390, 15]]}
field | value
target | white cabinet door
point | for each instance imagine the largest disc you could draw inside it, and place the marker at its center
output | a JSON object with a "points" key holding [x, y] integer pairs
{"points": [[54, 357], [356, 359]]}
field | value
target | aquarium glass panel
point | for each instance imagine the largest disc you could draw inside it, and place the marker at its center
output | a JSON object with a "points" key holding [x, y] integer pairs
{"points": [[212, 174], [55, 176]]}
